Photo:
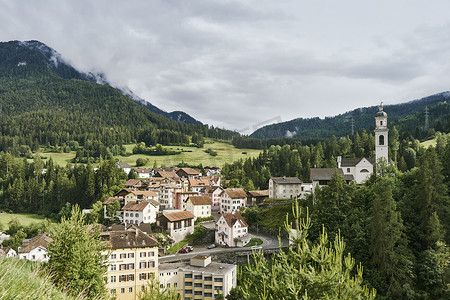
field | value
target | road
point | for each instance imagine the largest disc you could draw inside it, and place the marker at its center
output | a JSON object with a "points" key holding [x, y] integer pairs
{"points": [[268, 243]]}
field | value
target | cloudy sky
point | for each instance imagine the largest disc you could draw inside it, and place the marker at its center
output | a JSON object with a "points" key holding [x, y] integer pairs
{"points": [[239, 64]]}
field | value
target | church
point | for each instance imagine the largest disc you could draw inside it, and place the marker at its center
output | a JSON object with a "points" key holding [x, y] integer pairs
{"points": [[357, 169]]}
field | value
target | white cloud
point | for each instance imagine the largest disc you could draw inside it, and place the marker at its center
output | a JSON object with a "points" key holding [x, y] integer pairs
{"points": [[234, 64]]}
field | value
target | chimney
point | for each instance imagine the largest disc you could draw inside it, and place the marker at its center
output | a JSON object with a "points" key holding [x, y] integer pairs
{"points": [[339, 160]]}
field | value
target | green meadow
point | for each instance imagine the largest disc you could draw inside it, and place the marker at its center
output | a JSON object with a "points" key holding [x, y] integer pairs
{"points": [[190, 155], [24, 219]]}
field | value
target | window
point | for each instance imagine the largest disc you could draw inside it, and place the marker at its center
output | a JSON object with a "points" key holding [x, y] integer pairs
{"points": [[175, 284], [122, 278], [197, 292], [122, 290], [198, 277], [348, 170], [188, 291], [208, 286], [188, 283], [188, 276], [126, 215], [381, 140], [123, 255], [130, 277], [113, 279], [131, 214], [381, 123], [209, 278], [142, 276], [142, 265], [130, 266], [130, 290], [151, 264], [143, 254], [168, 285], [112, 291], [33, 257], [130, 255], [161, 285], [198, 285], [218, 279], [218, 288], [364, 171], [208, 294], [151, 253]]}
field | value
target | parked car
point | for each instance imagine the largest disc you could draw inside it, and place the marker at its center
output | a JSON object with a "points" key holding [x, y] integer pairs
{"points": [[256, 247], [183, 250], [189, 248], [212, 246]]}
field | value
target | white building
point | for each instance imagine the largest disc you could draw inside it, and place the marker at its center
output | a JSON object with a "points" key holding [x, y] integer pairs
{"points": [[125, 167], [137, 212], [36, 248], [232, 199], [132, 261], [200, 206], [284, 187], [213, 193], [7, 252], [232, 230], [198, 279]]}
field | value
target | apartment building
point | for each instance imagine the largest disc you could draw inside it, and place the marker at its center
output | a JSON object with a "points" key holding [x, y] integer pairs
{"points": [[132, 260], [199, 279]]}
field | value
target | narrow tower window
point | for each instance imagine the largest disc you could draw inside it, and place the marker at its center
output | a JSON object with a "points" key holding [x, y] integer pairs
{"points": [[381, 123], [381, 140]]}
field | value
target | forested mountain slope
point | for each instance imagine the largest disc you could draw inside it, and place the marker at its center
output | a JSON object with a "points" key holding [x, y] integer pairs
{"points": [[45, 102], [406, 117]]}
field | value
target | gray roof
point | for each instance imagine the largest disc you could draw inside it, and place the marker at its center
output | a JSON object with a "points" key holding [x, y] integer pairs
{"points": [[286, 180], [212, 268], [351, 162], [327, 173]]}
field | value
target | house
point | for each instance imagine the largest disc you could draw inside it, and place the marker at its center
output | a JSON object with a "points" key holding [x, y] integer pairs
{"points": [[3, 236], [7, 252], [213, 193], [135, 184], [144, 172], [256, 197], [232, 230], [210, 171], [200, 278], [124, 166], [167, 174], [189, 173], [200, 206], [137, 212], [141, 195], [180, 199], [166, 194], [36, 248], [322, 176], [196, 185], [177, 224], [284, 187], [232, 199], [132, 261]]}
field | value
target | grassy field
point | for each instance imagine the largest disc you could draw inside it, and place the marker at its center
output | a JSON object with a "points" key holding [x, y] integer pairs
{"points": [[24, 219], [432, 142], [193, 156], [225, 153]]}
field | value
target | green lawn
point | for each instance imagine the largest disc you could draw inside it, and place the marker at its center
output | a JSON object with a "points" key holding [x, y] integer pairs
{"points": [[432, 142], [225, 153], [24, 219], [254, 242]]}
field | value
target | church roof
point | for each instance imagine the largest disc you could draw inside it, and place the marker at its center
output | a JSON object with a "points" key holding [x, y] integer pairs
{"points": [[327, 173]]}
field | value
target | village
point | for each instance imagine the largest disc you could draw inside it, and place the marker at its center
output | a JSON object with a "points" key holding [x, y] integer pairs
{"points": [[161, 208]]}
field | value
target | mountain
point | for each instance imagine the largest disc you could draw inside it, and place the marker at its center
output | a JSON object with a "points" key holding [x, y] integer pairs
{"points": [[179, 116], [406, 117], [45, 101], [44, 55]]}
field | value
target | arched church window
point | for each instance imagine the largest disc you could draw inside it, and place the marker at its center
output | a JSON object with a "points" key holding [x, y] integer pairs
{"points": [[381, 140]]}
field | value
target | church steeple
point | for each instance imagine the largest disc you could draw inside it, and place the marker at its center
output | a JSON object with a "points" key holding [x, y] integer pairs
{"points": [[381, 134]]}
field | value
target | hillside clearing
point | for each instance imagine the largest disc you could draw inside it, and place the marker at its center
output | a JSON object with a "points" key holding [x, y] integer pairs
{"points": [[24, 219]]}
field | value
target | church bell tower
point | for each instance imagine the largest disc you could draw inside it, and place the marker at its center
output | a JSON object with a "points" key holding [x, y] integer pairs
{"points": [[381, 135]]}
